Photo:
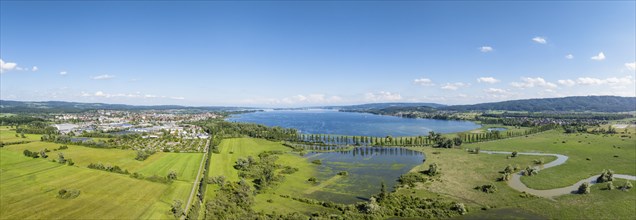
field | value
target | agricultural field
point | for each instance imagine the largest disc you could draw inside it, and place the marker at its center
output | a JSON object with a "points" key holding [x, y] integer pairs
{"points": [[8, 135], [103, 191]]}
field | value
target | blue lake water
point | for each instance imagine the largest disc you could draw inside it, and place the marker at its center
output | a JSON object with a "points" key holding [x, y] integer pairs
{"points": [[351, 123], [368, 168]]}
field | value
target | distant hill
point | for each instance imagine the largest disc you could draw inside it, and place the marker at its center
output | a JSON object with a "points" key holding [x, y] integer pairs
{"points": [[395, 105], [7, 106], [574, 103]]}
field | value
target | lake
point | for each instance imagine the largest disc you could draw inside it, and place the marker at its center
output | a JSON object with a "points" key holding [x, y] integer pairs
{"points": [[352, 123], [367, 168]]}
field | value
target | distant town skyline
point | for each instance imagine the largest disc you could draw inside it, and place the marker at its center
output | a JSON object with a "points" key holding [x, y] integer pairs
{"points": [[291, 54]]}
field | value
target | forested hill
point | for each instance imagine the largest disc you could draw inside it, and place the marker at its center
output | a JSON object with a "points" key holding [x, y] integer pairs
{"points": [[7, 106], [574, 103]]}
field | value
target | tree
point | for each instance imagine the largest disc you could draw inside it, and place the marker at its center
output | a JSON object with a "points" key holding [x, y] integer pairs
{"points": [[606, 176], [514, 154], [432, 169], [176, 209], [457, 141], [60, 158], [610, 186], [172, 175], [383, 193], [43, 154], [584, 188]]}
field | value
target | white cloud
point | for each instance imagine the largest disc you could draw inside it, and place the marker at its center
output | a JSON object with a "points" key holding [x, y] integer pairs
{"points": [[382, 96], [540, 40], [454, 86], [424, 82], [486, 49], [137, 95], [7, 66], [528, 82], [495, 91], [599, 57], [631, 66], [103, 77], [569, 56], [63, 73], [607, 81], [34, 68], [566, 82], [490, 80]]}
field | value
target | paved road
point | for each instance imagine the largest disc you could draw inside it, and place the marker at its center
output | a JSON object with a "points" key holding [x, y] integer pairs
{"points": [[515, 181]]}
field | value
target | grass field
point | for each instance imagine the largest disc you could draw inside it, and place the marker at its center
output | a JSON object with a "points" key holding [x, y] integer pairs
{"points": [[7, 135], [462, 171], [43, 178], [294, 184], [603, 151], [30, 186]]}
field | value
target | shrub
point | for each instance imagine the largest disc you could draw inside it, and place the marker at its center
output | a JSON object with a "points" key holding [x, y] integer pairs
{"points": [[60, 158], [460, 208], [514, 154], [628, 185], [584, 188], [509, 169], [530, 171], [505, 177], [487, 188], [610, 186], [318, 162], [606, 176], [432, 170], [343, 173], [289, 170], [172, 175], [312, 180], [538, 161], [68, 193], [216, 180], [176, 209], [410, 179]]}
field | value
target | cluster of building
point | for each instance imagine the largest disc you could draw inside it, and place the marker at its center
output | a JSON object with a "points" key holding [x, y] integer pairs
{"points": [[151, 124]]}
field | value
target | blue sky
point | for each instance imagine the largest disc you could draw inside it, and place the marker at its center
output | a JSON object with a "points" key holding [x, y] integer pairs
{"points": [[314, 53]]}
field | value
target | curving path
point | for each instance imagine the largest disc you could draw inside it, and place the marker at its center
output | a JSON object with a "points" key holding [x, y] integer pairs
{"points": [[515, 181]]}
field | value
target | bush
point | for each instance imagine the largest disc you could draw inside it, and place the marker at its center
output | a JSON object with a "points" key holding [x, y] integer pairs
{"points": [[606, 176], [530, 171], [68, 193], [319, 162], [538, 161], [410, 179], [514, 154], [343, 173], [176, 209], [172, 175], [312, 180], [216, 180], [460, 208], [487, 188], [432, 170], [610, 186], [628, 185], [289, 170], [584, 188]]}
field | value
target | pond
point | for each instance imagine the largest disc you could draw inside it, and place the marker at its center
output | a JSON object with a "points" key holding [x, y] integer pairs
{"points": [[367, 168], [351, 123], [497, 129]]}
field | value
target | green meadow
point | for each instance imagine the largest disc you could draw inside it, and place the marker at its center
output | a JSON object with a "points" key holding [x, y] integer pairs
{"points": [[462, 171], [294, 184], [102, 192]]}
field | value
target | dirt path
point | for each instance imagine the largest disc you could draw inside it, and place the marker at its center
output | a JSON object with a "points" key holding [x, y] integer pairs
{"points": [[515, 181]]}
